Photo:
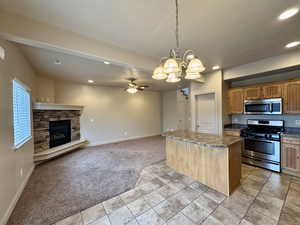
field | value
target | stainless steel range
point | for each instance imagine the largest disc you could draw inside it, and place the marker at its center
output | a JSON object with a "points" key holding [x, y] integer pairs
{"points": [[262, 143]]}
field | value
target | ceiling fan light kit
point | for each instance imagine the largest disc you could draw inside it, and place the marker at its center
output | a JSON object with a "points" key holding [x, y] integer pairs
{"points": [[133, 87], [176, 67]]}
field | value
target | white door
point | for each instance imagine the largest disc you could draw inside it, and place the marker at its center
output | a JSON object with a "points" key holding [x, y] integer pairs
{"points": [[206, 114]]}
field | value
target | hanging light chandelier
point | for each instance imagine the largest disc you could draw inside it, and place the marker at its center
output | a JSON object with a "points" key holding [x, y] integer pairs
{"points": [[175, 68]]}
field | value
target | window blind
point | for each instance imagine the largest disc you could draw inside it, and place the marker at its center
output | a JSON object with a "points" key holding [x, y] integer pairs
{"points": [[21, 114]]}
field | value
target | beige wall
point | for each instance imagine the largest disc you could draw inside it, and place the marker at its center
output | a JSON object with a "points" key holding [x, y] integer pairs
{"points": [[288, 60], [45, 91], [110, 114], [213, 84], [15, 165], [169, 110]]}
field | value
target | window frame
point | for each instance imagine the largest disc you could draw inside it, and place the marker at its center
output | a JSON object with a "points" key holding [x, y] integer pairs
{"points": [[18, 146]]}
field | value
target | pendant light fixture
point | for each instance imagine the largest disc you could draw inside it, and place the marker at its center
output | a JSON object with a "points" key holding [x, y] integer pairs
{"points": [[175, 68]]}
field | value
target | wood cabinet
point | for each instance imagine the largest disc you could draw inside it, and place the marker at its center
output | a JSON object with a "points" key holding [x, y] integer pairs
{"points": [[236, 101], [290, 155], [272, 90], [292, 97], [289, 91], [252, 93]]}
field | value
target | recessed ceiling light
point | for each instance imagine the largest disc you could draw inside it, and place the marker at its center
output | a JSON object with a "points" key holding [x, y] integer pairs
{"points": [[293, 44], [216, 67], [57, 62], [288, 13], [106, 62], [90, 81]]}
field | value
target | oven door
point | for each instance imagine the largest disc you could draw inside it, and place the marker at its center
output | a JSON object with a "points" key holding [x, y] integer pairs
{"points": [[262, 149]]}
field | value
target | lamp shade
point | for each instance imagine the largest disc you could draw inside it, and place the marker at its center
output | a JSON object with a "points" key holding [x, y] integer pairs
{"points": [[173, 78], [171, 66], [159, 73], [192, 76], [131, 90], [195, 66]]}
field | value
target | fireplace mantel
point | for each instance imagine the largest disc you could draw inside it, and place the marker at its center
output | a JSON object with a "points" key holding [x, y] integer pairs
{"points": [[52, 106]]}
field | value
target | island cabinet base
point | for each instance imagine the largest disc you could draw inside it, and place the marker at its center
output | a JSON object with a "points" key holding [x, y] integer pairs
{"points": [[218, 168]]}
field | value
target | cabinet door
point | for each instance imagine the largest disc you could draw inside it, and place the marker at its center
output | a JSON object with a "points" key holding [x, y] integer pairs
{"points": [[292, 97], [236, 101], [253, 93], [272, 91], [291, 157]]}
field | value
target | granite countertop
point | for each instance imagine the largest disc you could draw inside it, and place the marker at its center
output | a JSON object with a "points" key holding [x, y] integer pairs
{"points": [[209, 140], [291, 132], [234, 126]]}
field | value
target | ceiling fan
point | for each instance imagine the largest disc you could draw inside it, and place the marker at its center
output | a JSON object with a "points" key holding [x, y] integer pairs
{"points": [[133, 88]]}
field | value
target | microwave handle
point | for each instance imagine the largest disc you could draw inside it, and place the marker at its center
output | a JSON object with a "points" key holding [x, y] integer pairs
{"points": [[271, 107]]}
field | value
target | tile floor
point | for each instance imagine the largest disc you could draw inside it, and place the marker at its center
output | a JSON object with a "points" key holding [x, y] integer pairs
{"points": [[165, 197]]}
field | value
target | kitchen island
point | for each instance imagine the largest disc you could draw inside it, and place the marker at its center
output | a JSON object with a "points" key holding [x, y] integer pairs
{"points": [[210, 159]]}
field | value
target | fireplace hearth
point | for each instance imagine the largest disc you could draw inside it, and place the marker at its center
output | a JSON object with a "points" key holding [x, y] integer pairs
{"points": [[60, 132]]}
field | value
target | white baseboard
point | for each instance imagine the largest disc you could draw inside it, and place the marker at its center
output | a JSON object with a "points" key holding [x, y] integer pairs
{"points": [[13, 203], [96, 143]]}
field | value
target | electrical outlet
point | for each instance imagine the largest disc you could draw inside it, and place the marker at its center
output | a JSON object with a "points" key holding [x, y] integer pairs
{"points": [[92, 120], [21, 172], [125, 133]]}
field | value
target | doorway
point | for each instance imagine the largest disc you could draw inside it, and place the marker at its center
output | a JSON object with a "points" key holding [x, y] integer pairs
{"points": [[206, 114]]}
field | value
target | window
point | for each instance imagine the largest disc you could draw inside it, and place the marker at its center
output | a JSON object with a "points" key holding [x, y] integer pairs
{"points": [[21, 114]]}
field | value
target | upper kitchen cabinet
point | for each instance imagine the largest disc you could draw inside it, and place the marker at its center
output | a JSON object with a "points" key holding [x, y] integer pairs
{"points": [[272, 90], [236, 100], [252, 93], [292, 97]]}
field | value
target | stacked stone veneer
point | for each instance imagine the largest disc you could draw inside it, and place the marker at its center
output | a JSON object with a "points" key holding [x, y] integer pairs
{"points": [[41, 121]]}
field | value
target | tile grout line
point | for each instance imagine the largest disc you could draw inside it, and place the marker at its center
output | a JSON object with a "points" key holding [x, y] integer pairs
{"points": [[286, 195], [255, 197]]}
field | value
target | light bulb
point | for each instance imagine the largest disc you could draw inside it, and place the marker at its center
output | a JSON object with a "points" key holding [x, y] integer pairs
{"points": [[195, 66], [171, 66], [173, 78], [159, 74], [293, 44], [288, 14], [131, 90]]}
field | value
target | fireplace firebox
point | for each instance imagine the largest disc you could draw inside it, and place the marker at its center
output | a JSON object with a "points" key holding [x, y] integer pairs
{"points": [[60, 132]]}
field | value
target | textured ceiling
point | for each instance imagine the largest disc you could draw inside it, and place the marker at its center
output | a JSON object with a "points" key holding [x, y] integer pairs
{"points": [[223, 32], [80, 70]]}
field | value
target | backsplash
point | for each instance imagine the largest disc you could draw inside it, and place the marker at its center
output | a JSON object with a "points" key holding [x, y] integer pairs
{"points": [[290, 120]]}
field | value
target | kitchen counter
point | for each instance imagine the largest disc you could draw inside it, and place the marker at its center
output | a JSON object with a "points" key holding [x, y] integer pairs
{"points": [[210, 159], [208, 140], [235, 126], [291, 132]]}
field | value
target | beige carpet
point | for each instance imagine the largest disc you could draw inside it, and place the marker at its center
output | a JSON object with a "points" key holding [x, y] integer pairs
{"points": [[78, 180]]}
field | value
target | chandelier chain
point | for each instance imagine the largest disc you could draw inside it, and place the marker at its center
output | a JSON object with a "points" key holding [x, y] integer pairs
{"points": [[177, 24]]}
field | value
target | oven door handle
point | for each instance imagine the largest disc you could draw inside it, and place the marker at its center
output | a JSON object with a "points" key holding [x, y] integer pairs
{"points": [[269, 141]]}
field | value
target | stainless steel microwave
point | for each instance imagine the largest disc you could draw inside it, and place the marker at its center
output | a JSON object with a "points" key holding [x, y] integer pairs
{"points": [[263, 106]]}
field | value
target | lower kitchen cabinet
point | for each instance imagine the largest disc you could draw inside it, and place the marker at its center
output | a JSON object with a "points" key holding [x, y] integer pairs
{"points": [[290, 156]]}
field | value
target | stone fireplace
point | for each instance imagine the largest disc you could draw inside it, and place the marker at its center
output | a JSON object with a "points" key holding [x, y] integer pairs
{"points": [[56, 128]]}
